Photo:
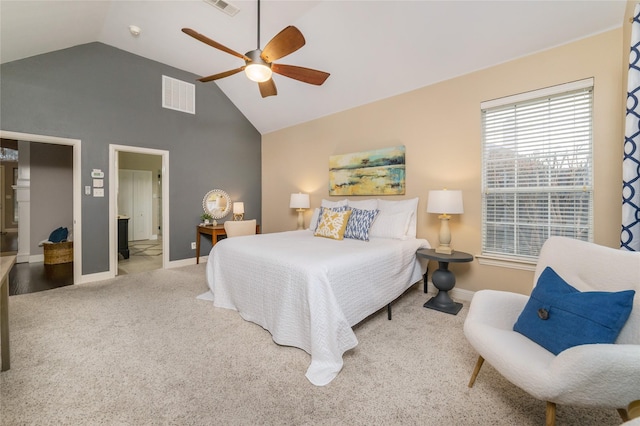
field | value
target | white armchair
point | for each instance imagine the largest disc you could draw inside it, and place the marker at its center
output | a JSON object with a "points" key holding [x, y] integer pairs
{"points": [[597, 375], [237, 228]]}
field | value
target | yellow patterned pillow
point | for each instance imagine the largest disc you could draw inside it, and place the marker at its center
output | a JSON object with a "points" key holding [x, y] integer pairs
{"points": [[332, 224]]}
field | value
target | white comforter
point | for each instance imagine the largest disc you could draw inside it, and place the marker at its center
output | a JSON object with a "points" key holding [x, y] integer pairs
{"points": [[309, 291]]}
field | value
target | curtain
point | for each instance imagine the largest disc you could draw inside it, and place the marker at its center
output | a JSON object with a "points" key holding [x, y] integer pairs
{"points": [[630, 235]]}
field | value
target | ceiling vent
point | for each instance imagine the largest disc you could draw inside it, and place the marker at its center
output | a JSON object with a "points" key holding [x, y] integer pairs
{"points": [[224, 6], [178, 95]]}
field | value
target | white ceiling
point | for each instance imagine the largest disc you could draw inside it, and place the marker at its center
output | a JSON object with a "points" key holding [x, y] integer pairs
{"points": [[373, 49]]}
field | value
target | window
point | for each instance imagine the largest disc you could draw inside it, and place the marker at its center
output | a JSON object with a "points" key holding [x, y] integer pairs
{"points": [[537, 169]]}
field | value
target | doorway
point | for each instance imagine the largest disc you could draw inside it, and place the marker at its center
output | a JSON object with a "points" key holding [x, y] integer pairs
{"points": [[138, 200], [22, 195]]}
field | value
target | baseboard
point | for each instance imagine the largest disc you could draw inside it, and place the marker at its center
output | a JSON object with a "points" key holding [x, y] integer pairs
{"points": [[186, 262], [98, 276], [34, 258], [462, 294], [455, 293]]}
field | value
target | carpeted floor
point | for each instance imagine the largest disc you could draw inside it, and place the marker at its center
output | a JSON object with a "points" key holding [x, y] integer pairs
{"points": [[141, 349]]}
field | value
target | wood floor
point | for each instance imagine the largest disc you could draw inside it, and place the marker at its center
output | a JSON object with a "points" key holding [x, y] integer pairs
{"points": [[32, 277]]}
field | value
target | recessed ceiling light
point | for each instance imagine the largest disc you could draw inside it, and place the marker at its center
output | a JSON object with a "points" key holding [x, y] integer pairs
{"points": [[134, 30]]}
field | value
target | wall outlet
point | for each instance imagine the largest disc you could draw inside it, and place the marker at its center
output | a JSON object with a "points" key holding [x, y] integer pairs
{"points": [[193, 245]]}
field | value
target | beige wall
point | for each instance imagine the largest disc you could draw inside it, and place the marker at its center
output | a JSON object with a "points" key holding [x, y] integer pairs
{"points": [[440, 127]]}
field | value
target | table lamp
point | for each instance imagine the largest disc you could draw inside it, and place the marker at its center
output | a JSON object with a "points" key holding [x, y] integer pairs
{"points": [[238, 210], [445, 203], [300, 202]]}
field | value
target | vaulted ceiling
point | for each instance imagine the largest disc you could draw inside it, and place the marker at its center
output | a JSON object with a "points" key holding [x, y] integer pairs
{"points": [[373, 49]]}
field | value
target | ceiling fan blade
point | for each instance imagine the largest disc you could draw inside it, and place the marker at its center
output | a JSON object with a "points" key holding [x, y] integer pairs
{"points": [[306, 75], [207, 40], [285, 42], [221, 75], [268, 88]]}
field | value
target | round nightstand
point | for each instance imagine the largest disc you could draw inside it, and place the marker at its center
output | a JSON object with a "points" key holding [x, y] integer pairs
{"points": [[443, 279]]}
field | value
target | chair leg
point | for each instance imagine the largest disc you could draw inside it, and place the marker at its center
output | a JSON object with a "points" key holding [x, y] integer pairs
{"points": [[476, 370], [551, 414], [624, 415]]}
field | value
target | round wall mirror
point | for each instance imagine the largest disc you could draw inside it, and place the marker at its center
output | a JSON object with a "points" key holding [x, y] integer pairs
{"points": [[217, 203]]}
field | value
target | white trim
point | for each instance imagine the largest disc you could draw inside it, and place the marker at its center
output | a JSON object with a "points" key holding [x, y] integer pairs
{"points": [[540, 93], [459, 294], [36, 258], [77, 189], [113, 202], [98, 276], [186, 262], [504, 262]]}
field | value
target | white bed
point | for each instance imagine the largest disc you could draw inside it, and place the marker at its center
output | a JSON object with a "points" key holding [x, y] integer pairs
{"points": [[308, 291]]}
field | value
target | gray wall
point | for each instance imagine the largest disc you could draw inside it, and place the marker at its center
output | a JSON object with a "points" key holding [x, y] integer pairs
{"points": [[51, 191], [103, 95]]}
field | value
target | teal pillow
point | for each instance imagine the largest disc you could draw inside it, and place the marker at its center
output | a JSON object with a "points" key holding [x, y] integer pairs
{"points": [[558, 317]]}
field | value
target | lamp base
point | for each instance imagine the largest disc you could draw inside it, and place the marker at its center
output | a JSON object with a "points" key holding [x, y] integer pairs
{"points": [[238, 216], [300, 219], [444, 250]]}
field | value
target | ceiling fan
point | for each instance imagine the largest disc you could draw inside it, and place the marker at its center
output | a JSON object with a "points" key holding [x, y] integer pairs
{"points": [[259, 64]]}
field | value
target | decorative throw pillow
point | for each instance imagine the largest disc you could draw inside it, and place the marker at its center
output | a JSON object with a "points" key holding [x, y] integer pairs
{"points": [[332, 224], [558, 316], [359, 223], [313, 225]]}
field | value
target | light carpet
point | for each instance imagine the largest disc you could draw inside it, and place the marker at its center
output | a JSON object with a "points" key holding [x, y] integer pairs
{"points": [[141, 349]]}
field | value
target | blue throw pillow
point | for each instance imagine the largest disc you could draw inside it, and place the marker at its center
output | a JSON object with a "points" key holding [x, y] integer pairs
{"points": [[557, 316], [359, 223]]}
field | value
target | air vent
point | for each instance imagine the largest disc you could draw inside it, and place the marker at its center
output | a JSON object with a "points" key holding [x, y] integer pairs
{"points": [[178, 95], [224, 6]]}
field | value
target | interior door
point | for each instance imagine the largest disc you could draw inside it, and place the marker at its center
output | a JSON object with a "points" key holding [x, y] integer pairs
{"points": [[135, 198], [142, 201]]}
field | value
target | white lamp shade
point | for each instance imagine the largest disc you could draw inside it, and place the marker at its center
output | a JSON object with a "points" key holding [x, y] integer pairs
{"points": [[238, 207], [299, 201], [445, 202]]}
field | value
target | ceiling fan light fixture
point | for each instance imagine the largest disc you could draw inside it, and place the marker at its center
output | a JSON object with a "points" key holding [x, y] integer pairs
{"points": [[257, 69], [258, 72]]}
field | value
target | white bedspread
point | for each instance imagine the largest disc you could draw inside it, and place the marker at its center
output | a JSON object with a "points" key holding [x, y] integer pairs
{"points": [[309, 291]]}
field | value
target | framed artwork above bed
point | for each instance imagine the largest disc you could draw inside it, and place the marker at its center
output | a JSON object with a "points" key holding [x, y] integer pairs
{"points": [[377, 172]]}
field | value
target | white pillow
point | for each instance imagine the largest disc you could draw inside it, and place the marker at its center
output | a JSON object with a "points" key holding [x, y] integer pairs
{"points": [[313, 224], [392, 207], [330, 204], [364, 204], [391, 225]]}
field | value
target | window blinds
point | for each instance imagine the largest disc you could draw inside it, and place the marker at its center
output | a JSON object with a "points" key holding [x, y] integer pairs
{"points": [[537, 170]]}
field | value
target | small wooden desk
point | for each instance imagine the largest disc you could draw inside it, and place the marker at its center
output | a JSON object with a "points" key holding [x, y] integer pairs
{"points": [[215, 231], [6, 263]]}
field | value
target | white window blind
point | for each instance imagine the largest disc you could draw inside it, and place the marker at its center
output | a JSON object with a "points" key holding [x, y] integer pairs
{"points": [[537, 169]]}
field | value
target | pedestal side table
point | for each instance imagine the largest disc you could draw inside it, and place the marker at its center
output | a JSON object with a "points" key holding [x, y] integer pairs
{"points": [[443, 279]]}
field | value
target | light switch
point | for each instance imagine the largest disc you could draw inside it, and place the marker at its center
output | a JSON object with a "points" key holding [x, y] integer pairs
{"points": [[87, 190]]}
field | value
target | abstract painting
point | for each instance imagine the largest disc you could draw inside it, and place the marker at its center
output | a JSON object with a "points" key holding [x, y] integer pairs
{"points": [[378, 172]]}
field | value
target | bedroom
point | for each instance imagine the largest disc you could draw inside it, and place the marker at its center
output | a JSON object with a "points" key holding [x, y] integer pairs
{"points": [[435, 123]]}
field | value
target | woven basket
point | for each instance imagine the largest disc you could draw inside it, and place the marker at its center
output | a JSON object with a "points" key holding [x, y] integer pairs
{"points": [[55, 253]]}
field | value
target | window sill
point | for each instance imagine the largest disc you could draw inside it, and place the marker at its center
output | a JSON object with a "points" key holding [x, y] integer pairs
{"points": [[504, 262]]}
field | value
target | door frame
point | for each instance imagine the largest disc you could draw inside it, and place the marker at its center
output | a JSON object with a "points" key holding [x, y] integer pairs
{"points": [[76, 144], [113, 202]]}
